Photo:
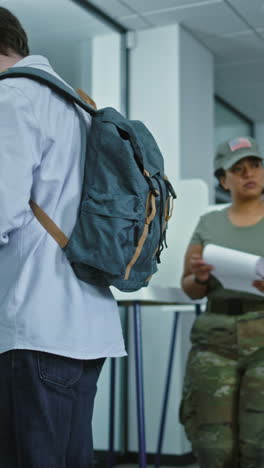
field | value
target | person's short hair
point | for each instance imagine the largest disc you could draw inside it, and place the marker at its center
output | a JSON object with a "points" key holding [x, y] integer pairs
{"points": [[13, 38], [219, 173]]}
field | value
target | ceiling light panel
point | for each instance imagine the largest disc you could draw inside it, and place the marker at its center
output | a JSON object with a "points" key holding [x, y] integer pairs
{"points": [[216, 19], [112, 7]]}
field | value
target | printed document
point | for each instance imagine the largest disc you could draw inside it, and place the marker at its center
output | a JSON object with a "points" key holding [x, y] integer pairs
{"points": [[235, 269]]}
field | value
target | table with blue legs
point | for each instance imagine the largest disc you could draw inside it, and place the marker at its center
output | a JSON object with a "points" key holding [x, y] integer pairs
{"points": [[168, 383], [152, 296]]}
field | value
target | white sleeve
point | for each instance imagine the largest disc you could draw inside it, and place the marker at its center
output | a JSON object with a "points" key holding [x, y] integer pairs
{"points": [[20, 154]]}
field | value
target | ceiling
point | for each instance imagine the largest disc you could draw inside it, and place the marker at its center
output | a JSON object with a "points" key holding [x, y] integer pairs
{"points": [[232, 29]]}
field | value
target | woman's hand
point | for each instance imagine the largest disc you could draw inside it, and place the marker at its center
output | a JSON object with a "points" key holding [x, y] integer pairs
{"points": [[199, 268], [259, 284], [195, 270]]}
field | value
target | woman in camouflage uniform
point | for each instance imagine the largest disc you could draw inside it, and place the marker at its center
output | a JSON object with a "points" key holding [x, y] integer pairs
{"points": [[222, 407]]}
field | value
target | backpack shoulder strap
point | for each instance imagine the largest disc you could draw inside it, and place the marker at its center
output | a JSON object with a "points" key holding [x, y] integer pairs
{"points": [[86, 98], [52, 228], [83, 101], [54, 83]]}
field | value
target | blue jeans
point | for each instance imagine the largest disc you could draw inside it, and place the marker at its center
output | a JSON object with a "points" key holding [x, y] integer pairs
{"points": [[46, 407]]}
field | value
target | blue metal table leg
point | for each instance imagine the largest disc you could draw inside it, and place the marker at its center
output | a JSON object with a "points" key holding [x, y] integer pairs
{"points": [[111, 460], [167, 389], [197, 310], [139, 385]]}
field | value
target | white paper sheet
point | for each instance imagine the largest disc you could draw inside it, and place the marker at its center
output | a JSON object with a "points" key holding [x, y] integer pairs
{"points": [[235, 269]]}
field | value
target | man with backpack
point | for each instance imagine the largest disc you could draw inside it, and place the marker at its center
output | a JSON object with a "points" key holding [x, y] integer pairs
{"points": [[55, 330]]}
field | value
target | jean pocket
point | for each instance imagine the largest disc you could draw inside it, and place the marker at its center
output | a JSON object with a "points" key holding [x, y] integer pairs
{"points": [[59, 370]]}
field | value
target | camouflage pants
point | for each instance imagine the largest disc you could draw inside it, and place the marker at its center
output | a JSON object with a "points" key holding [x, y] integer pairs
{"points": [[222, 407]]}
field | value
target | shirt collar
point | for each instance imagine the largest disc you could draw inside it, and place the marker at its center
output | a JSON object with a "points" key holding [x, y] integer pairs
{"points": [[32, 60]]}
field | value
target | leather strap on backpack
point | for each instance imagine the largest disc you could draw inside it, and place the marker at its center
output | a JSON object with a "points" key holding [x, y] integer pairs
{"points": [[49, 225], [150, 215], [41, 216], [86, 98]]}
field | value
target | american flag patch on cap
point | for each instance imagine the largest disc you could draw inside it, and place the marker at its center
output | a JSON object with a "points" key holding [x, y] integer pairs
{"points": [[239, 143]]}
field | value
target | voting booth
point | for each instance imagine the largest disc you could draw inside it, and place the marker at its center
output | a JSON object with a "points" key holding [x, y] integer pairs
{"points": [[152, 322]]}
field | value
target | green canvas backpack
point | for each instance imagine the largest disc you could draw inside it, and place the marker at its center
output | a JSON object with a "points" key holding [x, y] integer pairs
{"points": [[126, 198]]}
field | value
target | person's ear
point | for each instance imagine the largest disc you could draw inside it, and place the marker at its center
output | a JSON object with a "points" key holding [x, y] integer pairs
{"points": [[222, 181]]}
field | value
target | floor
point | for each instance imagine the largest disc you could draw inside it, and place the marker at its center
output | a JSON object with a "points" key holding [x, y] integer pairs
{"points": [[135, 466]]}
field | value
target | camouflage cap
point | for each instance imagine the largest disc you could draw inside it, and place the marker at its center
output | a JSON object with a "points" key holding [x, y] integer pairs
{"points": [[231, 151]]}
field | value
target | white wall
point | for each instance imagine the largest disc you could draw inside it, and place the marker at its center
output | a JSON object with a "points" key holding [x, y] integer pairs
{"points": [[155, 83], [73, 64], [84, 66], [259, 135], [106, 70], [106, 91], [172, 92], [196, 110]]}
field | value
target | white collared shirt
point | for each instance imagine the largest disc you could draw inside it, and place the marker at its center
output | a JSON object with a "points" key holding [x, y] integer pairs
{"points": [[43, 306]]}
